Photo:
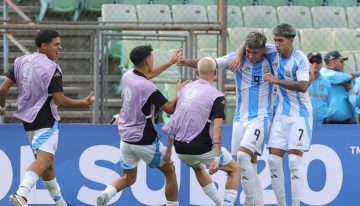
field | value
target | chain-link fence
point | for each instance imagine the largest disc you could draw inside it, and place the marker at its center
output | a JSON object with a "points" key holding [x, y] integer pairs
{"points": [[322, 25]]}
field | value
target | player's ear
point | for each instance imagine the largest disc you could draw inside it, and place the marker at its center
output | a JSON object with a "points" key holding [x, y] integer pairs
{"points": [[215, 72]]}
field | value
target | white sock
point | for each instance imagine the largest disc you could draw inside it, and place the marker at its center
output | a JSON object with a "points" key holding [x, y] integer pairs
{"points": [[297, 178], [277, 178], [247, 177], [109, 192], [230, 197], [211, 192], [172, 203], [259, 196], [54, 189], [28, 182]]}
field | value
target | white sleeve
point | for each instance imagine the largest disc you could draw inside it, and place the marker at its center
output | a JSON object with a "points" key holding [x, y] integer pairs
{"points": [[302, 73], [224, 61]]}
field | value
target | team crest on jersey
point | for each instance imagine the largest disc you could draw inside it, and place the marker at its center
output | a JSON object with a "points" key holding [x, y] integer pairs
{"points": [[266, 70], [322, 87], [247, 69], [275, 64], [288, 73]]}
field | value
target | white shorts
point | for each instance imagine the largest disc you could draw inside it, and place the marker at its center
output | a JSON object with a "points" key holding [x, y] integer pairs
{"points": [[289, 132], [152, 155], [250, 134], [45, 139], [206, 158]]}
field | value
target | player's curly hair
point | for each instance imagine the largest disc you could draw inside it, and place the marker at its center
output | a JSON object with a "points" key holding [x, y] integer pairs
{"points": [[255, 40], [285, 30]]}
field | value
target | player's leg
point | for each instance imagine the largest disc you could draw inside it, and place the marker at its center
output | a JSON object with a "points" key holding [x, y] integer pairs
{"points": [[128, 163], [252, 143], [171, 186], [153, 156], [277, 145], [206, 183], [299, 141], [259, 196], [43, 143], [232, 168], [128, 179], [52, 186]]}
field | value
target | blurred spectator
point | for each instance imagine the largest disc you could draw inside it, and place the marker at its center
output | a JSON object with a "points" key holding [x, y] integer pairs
{"points": [[320, 90], [341, 84], [354, 96]]}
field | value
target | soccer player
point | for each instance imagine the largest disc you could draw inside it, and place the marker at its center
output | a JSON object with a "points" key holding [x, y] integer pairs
{"points": [[253, 116], [39, 82], [291, 130], [195, 130], [136, 123]]}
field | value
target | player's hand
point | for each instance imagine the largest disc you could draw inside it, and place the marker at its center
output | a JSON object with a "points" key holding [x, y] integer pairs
{"points": [[214, 166], [268, 77], [89, 100], [181, 62], [235, 64], [175, 55], [181, 85]]}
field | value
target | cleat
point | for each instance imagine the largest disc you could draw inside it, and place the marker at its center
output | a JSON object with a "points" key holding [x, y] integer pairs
{"points": [[101, 200], [18, 200]]}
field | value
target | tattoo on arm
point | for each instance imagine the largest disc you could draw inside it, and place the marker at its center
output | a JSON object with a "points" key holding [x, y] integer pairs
{"points": [[297, 86]]}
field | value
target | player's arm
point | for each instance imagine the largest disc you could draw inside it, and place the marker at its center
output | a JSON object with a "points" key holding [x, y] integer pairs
{"points": [[218, 116], [169, 146], [235, 64], [157, 70], [57, 92], [4, 87], [169, 106], [187, 62], [297, 86]]}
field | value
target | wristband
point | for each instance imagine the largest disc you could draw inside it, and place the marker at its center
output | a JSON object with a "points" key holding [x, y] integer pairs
{"points": [[216, 142], [217, 158], [2, 109]]}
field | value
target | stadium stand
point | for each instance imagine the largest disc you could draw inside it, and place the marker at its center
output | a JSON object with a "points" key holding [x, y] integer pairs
{"points": [[59, 6], [274, 3], [353, 17], [329, 17], [259, 16], [189, 14], [234, 15], [298, 16]]}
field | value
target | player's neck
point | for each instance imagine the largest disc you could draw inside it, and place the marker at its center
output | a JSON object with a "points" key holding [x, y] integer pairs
{"points": [[288, 53]]}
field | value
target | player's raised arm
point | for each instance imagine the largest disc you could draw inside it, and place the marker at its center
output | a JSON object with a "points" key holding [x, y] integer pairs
{"points": [[157, 70]]}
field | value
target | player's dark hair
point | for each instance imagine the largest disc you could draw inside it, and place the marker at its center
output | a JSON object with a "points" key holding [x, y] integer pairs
{"points": [[285, 30], [45, 36], [255, 40], [139, 54]]}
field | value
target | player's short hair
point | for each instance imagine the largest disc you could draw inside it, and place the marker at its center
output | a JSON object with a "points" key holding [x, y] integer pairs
{"points": [[140, 53], [206, 65], [286, 30], [45, 36], [255, 40]]}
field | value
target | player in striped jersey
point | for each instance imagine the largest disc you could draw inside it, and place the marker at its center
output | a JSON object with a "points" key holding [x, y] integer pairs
{"points": [[292, 125], [253, 114]]}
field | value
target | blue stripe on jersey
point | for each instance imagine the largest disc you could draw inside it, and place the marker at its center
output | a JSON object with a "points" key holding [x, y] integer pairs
{"points": [[266, 134], [238, 78], [286, 100], [256, 75], [308, 128], [269, 109], [302, 108]]}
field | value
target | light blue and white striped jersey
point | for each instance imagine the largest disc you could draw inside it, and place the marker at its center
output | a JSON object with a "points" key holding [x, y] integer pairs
{"points": [[253, 94], [294, 68]]}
